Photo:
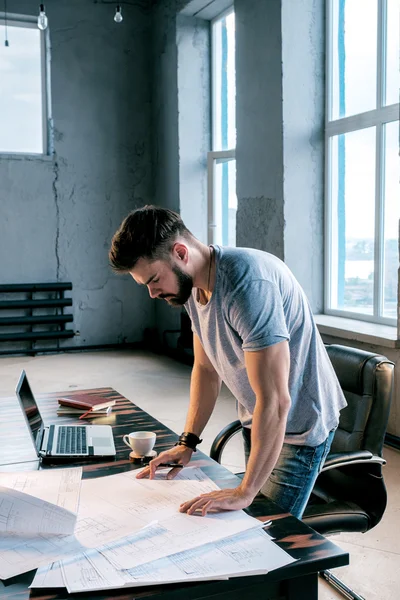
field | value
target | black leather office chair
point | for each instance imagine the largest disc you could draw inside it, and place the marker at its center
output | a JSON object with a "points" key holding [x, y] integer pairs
{"points": [[349, 494]]}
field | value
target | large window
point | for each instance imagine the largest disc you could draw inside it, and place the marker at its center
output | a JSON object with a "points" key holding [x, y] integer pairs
{"points": [[362, 174], [23, 88], [222, 202]]}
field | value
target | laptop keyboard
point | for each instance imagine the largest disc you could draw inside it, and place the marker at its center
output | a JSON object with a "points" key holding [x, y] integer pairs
{"points": [[71, 440]]}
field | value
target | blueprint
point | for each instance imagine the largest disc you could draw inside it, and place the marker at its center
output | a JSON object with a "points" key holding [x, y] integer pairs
{"points": [[130, 521], [249, 553], [58, 486], [24, 514], [37, 518]]}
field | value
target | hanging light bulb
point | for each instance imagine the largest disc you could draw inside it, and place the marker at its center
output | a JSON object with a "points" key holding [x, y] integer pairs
{"points": [[42, 21], [6, 43], [118, 14]]}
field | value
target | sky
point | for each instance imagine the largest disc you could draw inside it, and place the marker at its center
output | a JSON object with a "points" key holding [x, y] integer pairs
{"points": [[360, 96], [20, 91]]}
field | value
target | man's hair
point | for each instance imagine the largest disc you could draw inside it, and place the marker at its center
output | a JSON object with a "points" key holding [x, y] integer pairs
{"points": [[147, 232]]}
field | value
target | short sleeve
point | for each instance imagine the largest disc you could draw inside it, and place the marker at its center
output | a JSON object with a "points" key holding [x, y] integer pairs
{"points": [[256, 314]]}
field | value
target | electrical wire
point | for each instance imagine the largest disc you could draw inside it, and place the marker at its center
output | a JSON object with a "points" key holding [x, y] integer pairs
{"points": [[6, 43]]}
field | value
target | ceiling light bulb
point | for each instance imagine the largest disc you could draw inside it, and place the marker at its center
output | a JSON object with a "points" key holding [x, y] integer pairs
{"points": [[118, 15], [42, 21]]}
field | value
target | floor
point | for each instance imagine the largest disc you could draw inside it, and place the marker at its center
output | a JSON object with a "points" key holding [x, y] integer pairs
{"points": [[160, 386]]}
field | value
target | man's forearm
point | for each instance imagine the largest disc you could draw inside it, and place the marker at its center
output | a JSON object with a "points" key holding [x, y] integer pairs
{"points": [[267, 436], [204, 389]]}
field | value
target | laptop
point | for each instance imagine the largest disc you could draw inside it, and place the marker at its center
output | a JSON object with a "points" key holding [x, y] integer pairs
{"points": [[62, 442]]}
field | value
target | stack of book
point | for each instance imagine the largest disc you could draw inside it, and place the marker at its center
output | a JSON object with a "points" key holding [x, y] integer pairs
{"points": [[84, 406]]}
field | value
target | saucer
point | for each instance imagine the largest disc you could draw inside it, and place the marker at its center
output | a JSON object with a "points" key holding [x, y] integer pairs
{"points": [[142, 459]]}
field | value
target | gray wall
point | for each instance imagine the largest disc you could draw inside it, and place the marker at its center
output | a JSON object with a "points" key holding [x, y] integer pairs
{"points": [[259, 149], [59, 214], [165, 128]]}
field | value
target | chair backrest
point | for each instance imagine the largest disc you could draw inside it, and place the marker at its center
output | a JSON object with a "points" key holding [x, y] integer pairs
{"points": [[367, 382]]}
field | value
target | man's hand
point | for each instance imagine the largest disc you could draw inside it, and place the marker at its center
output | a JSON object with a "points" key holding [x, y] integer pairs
{"points": [[177, 454], [231, 499]]}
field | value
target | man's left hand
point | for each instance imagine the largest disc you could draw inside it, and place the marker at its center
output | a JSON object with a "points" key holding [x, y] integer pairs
{"points": [[231, 499]]}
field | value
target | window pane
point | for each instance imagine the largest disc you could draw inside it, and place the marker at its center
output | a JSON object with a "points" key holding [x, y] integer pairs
{"points": [[392, 216], [224, 87], [392, 52], [354, 56], [225, 202], [21, 127], [353, 220]]}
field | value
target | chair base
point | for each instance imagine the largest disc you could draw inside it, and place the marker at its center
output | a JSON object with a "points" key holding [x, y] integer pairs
{"points": [[340, 586]]}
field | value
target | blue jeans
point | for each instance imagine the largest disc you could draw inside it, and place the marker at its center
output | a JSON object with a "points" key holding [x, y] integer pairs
{"points": [[292, 479]]}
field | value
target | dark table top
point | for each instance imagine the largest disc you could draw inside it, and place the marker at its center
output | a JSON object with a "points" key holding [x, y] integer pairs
{"points": [[313, 551]]}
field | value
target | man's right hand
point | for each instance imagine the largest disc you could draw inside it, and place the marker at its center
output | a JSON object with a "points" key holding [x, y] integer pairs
{"points": [[180, 455]]}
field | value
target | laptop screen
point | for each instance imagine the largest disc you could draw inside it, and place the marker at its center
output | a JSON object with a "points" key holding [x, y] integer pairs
{"points": [[28, 405]]}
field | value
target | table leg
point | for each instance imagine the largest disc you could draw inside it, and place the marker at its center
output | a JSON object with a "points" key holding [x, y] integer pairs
{"points": [[302, 588]]}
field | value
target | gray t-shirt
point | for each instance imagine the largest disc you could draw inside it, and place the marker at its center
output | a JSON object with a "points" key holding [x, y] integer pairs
{"points": [[257, 302]]}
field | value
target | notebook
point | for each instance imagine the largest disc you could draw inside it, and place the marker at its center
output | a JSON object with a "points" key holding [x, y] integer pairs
{"points": [[62, 442], [86, 401]]}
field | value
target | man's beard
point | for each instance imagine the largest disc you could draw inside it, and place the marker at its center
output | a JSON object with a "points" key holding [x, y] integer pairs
{"points": [[185, 286]]}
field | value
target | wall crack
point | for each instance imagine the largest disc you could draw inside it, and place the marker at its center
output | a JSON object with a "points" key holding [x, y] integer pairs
{"points": [[55, 194]]}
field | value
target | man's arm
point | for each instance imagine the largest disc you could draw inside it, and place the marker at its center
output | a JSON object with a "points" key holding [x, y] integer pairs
{"points": [[205, 385], [268, 373]]}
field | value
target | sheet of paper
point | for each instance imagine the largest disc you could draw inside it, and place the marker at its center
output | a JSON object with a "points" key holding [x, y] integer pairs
{"points": [[24, 514], [115, 507], [27, 550], [249, 553], [187, 473], [58, 486], [19, 554], [141, 498], [119, 505], [49, 576], [173, 534]]}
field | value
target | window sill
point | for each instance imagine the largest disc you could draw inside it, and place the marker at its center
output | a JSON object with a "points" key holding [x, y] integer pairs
{"points": [[26, 157], [360, 331]]}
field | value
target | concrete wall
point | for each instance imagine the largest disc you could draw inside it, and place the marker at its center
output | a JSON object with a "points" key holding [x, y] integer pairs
{"points": [[259, 148], [165, 129], [59, 213]]}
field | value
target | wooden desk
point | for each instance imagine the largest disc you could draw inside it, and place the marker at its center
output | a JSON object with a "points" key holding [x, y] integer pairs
{"points": [[298, 581]]}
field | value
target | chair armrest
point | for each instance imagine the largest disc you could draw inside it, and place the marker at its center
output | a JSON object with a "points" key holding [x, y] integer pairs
{"points": [[223, 438], [342, 459]]}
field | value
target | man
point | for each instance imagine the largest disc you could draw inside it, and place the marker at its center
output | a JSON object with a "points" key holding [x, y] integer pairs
{"points": [[253, 329]]}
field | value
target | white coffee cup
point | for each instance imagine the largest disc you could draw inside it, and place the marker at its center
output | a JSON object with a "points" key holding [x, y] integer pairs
{"points": [[141, 442]]}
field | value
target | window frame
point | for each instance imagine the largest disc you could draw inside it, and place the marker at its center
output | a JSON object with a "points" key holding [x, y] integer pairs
{"points": [[215, 155], [377, 118], [30, 22]]}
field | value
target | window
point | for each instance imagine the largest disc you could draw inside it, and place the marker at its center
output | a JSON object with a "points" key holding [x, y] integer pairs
{"points": [[222, 201], [23, 97], [362, 175]]}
